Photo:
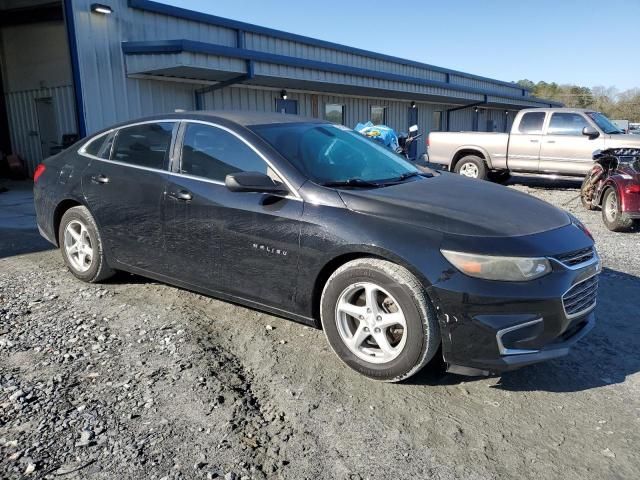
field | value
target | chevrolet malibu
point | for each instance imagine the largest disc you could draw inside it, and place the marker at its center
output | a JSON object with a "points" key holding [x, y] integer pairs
{"points": [[311, 221]]}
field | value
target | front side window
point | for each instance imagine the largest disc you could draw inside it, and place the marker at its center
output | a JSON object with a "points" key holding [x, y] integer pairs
{"points": [[378, 115], [213, 153], [334, 113], [531, 123], [331, 153], [567, 124], [436, 121], [145, 145]]}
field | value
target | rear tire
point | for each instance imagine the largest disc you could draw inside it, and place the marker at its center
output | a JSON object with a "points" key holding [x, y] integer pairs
{"points": [[613, 218], [586, 192], [471, 166], [391, 330], [81, 246]]}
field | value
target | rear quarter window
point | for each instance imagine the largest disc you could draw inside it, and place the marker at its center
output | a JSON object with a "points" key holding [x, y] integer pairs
{"points": [[531, 123]]}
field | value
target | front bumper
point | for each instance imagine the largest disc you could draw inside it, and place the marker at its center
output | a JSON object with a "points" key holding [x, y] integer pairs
{"points": [[500, 326]]}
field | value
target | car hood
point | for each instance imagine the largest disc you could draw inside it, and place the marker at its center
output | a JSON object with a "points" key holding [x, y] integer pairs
{"points": [[457, 205], [623, 140]]}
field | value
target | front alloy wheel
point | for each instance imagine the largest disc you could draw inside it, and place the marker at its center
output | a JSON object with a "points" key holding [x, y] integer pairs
{"points": [[371, 323], [378, 319]]}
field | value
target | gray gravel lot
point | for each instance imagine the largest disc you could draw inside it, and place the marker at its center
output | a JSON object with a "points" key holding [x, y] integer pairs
{"points": [[133, 379]]}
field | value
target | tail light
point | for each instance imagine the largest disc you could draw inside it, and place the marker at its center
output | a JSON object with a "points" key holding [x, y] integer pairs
{"points": [[632, 189], [39, 171], [427, 140]]}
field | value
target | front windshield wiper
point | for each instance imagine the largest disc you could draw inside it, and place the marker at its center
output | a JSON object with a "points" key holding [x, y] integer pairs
{"points": [[406, 175], [352, 182]]}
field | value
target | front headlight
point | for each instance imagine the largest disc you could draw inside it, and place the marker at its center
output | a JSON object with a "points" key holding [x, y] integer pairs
{"points": [[507, 269]]}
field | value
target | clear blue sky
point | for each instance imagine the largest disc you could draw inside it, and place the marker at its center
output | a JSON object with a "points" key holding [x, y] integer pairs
{"points": [[588, 42]]}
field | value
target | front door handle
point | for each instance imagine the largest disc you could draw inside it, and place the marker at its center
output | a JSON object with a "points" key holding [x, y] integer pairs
{"points": [[181, 195], [533, 141], [100, 179], [551, 141]]}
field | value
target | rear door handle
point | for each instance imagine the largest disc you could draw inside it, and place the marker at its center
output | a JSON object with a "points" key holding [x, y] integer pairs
{"points": [[100, 179], [181, 195], [551, 141], [534, 141]]}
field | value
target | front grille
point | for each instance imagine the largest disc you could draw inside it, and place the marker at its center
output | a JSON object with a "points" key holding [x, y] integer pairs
{"points": [[576, 257], [581, 297]]}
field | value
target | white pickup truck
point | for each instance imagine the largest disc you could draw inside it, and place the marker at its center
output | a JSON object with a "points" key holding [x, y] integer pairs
{"points": [[557, 141]]}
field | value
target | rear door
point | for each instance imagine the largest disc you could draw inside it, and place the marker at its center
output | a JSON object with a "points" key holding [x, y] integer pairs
{"points": [[564, 148], [524, 143], [124, 191], [243, 244]]}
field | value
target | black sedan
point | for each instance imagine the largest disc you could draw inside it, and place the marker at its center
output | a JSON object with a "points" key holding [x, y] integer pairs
{"points": [[314, 222]]}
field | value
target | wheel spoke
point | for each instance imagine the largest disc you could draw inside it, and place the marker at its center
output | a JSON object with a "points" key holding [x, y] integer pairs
{"points": [[391, 319], [383, 342], [82, 257], [370, 292], [353, 310], [75, 235], [73, 248], [359, 336]]}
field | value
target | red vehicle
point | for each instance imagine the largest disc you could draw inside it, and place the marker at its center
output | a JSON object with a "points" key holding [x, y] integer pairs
{"points": [[613, 184]]}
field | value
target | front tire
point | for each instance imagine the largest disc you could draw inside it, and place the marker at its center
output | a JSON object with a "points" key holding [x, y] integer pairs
{"points": [[378, 319], [81, 246], [471, 166], [613, 218]]}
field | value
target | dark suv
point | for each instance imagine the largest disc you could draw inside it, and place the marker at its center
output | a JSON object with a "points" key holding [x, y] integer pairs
{"points": [[314, 222]]}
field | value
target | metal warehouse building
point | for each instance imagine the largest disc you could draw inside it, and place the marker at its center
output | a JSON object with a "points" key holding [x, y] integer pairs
{"points": [[71, 67]]}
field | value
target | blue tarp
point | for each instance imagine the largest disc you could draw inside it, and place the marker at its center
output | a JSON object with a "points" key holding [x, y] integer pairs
{"points": [[380, 133]]}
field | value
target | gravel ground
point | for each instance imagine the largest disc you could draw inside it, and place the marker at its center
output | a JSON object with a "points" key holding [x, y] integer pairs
{"points": [[134, 379]]}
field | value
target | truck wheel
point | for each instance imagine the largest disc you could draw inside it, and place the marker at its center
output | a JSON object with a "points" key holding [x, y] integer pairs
{"points": [[613, 218], [378, 319], [499, 176], [472, 166]]}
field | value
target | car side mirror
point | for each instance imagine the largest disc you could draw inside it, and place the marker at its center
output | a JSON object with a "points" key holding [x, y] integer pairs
{"points": [[254, 182], [590, 132]]}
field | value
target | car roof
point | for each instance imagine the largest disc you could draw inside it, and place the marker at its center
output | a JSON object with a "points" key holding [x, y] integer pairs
{"points": [[244, 118]]}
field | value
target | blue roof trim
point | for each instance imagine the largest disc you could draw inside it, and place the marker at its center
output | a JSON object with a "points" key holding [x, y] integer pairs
{"points": [[186, 14], [75, 66], [183, 45]]}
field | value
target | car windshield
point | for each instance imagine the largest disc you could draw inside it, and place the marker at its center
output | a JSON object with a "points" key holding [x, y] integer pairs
{"points": [[604, 123], [333, 154]]}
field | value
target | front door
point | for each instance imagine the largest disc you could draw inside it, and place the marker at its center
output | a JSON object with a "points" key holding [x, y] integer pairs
{"points": [[287, 106], [125, 192], [564, 148], [243, 244], [47, 126], [524, 143]]}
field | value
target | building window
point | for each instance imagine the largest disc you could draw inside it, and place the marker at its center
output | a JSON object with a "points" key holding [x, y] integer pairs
{"points": [[334, 112], [379, 115], [436, 121]]}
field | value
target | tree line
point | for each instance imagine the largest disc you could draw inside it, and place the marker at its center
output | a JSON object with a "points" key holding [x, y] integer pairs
{"points": [[615, 104]]}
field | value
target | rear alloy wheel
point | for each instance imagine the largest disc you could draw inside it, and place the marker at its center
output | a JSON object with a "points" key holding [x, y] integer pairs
{"points": [[613, 218], [471, 166], [378, 319], [81, 246]]}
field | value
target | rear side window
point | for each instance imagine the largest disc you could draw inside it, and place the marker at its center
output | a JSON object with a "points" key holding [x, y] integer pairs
{"points": [[145, 145], [94, 147], [567, 124], [531, 123], [213, 153]]}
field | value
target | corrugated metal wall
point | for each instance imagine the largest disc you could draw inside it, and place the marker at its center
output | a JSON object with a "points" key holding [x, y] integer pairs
{"points": [[23, 120], [110, 96]]}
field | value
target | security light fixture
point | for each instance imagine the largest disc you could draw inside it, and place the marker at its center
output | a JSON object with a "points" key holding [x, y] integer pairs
{"points": [[506, 112], [100, 8], [413, 104], [283, 94], [475, 109]]}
